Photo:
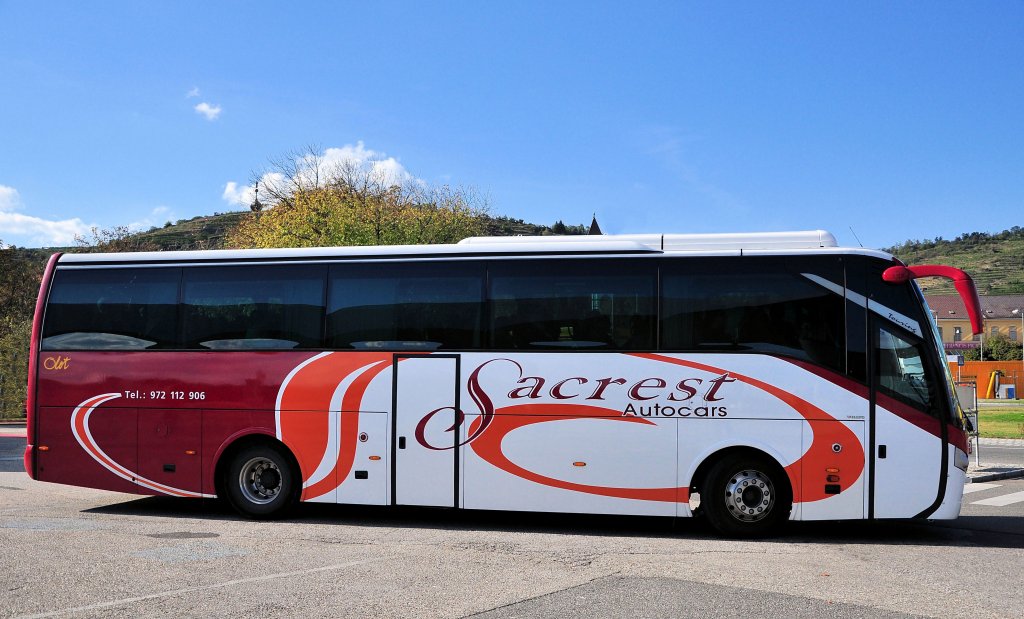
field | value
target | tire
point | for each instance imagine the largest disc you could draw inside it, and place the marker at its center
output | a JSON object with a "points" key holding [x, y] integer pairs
{"points": [[746, 496], [260, 482]]}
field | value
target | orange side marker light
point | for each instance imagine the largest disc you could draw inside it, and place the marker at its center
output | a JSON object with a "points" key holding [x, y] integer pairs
{"points": [[43, 448], [579, 464], [375, 458]]}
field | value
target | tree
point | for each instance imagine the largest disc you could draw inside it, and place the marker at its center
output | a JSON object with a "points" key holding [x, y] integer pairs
{"points": [[20, 273], [116, 239], [15, 338], [309, 204], [997, 348], [1001, 348], [19, 282]]}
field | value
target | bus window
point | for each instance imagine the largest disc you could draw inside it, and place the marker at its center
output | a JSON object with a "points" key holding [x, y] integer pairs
{"points": [[112, 309], [766, 312], [901, 371], [594, 305], [253, 307], [405, 306]]}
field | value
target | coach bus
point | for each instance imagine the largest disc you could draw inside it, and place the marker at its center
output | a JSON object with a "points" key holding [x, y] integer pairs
{"points": [[749, 378]]}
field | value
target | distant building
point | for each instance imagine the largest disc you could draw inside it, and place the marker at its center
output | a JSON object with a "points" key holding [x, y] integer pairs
{"points": [[955, 327]]}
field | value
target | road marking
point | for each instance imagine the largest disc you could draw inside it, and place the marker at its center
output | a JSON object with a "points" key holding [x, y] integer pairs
{"points": [[1003, 500], [240, 581], [969, 488]]}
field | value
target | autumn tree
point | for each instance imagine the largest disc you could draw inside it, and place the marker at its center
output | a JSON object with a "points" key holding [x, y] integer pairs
{"points": [[306, 202]]}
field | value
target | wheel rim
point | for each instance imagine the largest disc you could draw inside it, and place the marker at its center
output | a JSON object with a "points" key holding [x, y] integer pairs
{"points": [[749, 495], [260, 480]]}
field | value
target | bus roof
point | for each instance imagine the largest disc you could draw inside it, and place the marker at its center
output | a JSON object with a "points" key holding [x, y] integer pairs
{"points": [[814, 241]]}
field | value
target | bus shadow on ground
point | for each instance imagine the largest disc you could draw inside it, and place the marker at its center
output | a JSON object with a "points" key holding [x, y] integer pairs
{"points": [[973, 531]]}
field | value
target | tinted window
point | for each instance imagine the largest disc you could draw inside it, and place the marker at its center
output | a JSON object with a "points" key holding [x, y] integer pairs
{"points": [[405, 306], [112, 309], [856, 342], [901, 370], [865, 277], [751, 306], [253, 307], [562, 304]]}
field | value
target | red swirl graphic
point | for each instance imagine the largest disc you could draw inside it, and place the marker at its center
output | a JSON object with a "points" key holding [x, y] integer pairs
{"points": [[483, 403], [488, 447], [304, 409], [807, 475]]}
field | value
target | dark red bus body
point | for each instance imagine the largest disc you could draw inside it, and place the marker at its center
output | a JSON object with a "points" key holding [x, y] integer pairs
{"points": [[172, 441]]}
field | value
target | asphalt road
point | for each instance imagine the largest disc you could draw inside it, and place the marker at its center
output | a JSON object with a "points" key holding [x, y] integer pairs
{"points": [[999, 454], [72, 551], [12, 450]]}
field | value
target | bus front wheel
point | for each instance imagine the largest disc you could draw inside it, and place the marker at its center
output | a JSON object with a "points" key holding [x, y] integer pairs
{"points": [[745, 495], [260, 482]]}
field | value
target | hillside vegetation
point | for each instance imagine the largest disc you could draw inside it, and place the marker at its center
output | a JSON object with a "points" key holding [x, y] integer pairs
{"points": [[211, 231], [204, 232], [994, 260]]}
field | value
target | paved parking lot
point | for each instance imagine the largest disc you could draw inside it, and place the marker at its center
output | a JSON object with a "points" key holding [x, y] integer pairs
{"points": [[80, 552]]}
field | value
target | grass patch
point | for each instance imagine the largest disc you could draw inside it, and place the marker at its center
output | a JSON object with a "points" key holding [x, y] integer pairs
{"points": [[1005, 422]]}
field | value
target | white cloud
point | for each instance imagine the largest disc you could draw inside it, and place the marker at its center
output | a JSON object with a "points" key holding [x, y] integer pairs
{"points": [[21, 229], [44, 231], [245, 194], [192, 93], [9, 199], [211, 112], [157, 217], [376, 165]]}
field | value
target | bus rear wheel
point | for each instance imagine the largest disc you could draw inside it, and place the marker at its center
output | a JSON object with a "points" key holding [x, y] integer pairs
{"points": [[746, 496], [260, 482]]}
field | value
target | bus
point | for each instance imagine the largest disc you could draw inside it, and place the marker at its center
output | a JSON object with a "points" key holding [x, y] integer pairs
{"points": [[747, 378]]}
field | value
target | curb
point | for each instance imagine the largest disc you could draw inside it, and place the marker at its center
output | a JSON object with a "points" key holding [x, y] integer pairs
{"points": [[1014, 474], [1001, 442]]}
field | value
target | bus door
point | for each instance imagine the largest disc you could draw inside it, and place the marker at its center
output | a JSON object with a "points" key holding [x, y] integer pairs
{"points": [[425, 433], [907, 435]]}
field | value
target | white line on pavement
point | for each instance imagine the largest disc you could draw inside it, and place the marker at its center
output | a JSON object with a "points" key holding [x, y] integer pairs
{"points": [[969, 488], [240, 581], [1002, 500]]}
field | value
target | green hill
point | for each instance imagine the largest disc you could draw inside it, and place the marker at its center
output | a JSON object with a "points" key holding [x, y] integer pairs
{"points": [[203, 232], [209, 231], [994, 260]]}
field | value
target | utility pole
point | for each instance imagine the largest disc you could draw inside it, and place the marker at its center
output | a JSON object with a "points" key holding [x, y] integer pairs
{"points": [[1020, 336]]}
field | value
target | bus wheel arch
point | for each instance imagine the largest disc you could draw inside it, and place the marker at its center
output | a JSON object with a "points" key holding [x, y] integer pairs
{"points": [[258, 476], [743, 479]]}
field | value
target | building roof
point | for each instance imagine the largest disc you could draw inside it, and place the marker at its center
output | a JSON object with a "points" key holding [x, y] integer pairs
{"points": [[951, 306]]}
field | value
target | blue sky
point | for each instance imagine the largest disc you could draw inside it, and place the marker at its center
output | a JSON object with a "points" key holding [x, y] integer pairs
{"points": [[898, 119]]}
